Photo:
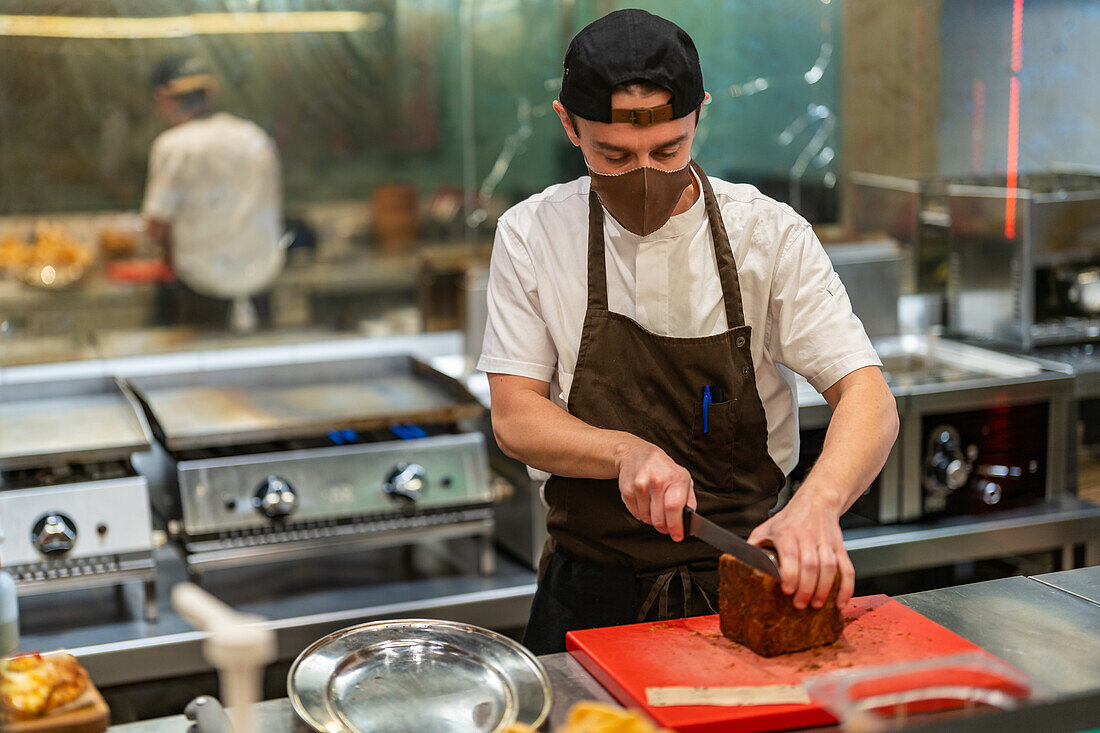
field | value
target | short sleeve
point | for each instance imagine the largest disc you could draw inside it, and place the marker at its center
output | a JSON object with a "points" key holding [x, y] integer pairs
{"points": [[164, 189], [811, 327], [517, 340]]}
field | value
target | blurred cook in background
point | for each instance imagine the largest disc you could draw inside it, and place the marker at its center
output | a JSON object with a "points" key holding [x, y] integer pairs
{"points": [[213, 201]]}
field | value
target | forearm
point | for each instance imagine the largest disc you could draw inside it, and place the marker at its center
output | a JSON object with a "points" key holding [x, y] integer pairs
{"points": [[861, 432], [532, 429]]}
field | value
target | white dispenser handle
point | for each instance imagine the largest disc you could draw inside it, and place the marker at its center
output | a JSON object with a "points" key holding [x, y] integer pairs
{"points": [[238, 645]]}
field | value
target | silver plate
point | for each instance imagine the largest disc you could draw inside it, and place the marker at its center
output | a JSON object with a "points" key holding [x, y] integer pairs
{"points": [[417, 675]]}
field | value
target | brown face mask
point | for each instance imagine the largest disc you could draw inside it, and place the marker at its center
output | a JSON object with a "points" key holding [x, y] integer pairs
{"points": [[641, 199]]}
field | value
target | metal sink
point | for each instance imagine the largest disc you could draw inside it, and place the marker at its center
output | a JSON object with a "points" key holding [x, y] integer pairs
{"points": [[928, 364]]}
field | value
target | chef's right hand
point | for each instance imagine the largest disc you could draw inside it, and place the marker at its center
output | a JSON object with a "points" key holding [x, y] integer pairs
{"points": [[655, 488]]}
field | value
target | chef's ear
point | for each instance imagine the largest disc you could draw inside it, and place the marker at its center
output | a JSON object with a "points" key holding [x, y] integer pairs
{"points": [[699, 112], [567, 123]]}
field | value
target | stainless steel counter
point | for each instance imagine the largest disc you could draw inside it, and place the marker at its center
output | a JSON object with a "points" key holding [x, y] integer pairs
{"points": [[308, 599], [1083, 583], [568, 678], [97, 302], [1052, 635]]}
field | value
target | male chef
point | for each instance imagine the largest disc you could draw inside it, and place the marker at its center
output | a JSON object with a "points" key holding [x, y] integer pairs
{"points": [[644, 324], [212, 200]]}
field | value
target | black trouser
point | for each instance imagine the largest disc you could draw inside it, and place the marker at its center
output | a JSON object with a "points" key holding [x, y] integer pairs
{"points": [[179, 305], [574, 595]]}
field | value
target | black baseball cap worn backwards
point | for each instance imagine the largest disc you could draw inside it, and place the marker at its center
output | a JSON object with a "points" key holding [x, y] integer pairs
{"points": [[626, 46]]}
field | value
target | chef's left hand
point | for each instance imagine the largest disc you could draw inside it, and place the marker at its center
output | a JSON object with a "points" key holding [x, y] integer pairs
{"points": [[806, 535]]}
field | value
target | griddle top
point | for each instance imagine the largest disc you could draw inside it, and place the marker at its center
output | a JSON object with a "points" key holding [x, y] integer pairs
{"points": [[46, 424], [252, 406]]}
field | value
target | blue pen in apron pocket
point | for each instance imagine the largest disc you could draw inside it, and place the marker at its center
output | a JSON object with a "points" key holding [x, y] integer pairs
{"points": [[706, 408]]}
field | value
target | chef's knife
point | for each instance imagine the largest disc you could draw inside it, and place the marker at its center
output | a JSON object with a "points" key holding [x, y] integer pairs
{"points": [[726, 541]]}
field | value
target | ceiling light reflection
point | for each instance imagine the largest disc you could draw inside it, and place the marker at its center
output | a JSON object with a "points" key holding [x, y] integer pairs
{"points": [[329, 21]]}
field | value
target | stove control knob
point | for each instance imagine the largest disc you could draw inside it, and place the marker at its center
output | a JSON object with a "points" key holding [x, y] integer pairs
{"points": [[990, 493], [946, 467], [955, 474], [406, 482], [54, 533], [274, 498]]}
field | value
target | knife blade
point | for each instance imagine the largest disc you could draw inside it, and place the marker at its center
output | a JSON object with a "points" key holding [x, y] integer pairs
{"points": [[726, 541]]}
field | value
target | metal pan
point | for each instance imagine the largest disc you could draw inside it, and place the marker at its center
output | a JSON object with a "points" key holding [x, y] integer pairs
{"points": [[417, 675]]}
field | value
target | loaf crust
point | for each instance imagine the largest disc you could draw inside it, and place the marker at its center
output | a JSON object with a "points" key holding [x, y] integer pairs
{"points": [[753, 610]]}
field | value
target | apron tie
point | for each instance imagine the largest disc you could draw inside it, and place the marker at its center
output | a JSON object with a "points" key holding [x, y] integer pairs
{"points": [[659, 592]]}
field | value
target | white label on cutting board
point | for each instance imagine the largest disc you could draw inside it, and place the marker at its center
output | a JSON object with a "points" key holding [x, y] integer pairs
{"points": [[659, 697]]}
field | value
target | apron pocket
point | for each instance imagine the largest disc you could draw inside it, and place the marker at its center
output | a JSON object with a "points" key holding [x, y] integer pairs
{"points": [[711, 456], [751, 420]]}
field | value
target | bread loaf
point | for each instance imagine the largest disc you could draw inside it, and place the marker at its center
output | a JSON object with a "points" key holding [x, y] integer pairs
{"points": [[753, 610]]}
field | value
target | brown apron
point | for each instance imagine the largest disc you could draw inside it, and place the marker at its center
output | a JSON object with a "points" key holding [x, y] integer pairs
{"points": [[601, 566]]}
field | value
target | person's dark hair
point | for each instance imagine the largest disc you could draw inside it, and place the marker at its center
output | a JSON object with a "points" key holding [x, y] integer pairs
{"points": [[635, 86]]}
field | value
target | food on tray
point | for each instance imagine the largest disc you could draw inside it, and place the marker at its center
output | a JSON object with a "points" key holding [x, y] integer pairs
{"points": [[53, 247], [15, 254], [52, 260], [753, 610], [33, 685]]}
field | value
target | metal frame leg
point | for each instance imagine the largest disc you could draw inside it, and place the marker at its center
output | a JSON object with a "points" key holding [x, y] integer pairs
{"points": [[487, 563], [152, 610], [1067, 557]]}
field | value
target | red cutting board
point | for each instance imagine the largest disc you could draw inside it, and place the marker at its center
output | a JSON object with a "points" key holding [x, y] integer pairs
{"points": [[693, 652]]}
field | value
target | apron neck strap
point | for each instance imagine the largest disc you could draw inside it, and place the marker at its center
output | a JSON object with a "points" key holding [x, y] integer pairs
{"points": [[723, 252], [597, 264]]}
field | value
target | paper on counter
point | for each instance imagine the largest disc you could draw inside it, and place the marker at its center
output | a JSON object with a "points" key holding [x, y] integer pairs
{"points": [[659, 697]]}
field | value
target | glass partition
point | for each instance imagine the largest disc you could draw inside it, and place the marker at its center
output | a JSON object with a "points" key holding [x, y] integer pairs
{"points": [[404, 128]]}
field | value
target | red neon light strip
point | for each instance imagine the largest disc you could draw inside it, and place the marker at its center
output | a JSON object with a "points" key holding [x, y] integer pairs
{"points": [[1013, 158], [1017, 35]]}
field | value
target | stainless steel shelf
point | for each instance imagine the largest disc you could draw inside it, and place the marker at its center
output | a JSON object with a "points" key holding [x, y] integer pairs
{"points": [[1056, 526], [303, 601]]}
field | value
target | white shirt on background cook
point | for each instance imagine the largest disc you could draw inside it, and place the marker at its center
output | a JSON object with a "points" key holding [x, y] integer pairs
{"points": [[216, 180], [799, 311]]}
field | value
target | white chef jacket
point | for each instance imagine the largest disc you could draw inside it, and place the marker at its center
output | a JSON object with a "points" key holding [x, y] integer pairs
{"points": [[799, 311], [215, 179]]}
